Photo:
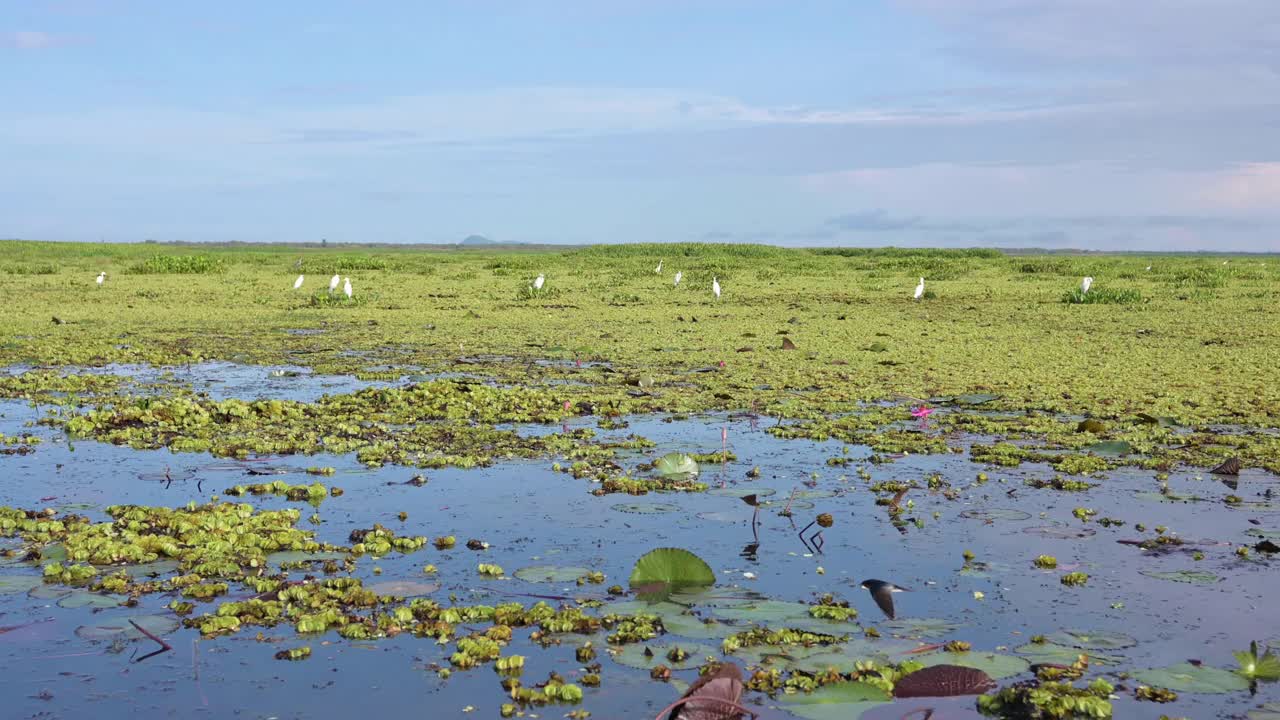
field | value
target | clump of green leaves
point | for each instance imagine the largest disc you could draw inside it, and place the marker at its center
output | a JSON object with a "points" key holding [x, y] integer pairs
{"points": [[1074, 579], [1046, 562], [1050, 701]]}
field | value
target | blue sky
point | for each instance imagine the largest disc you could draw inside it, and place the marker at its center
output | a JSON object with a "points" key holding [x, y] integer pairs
{"points": [[1053, 123]]}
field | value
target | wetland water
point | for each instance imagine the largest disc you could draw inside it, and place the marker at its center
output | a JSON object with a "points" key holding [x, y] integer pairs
{"points": [[68, 653]]}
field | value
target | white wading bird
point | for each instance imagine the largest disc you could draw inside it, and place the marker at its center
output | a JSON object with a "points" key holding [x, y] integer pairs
{"points": [[346, 288], [919, 290], [679, 275], [1085, 284], [715, 287], [537, 283], [658, 270], [333, 283], [298, 283], [102, 277]]}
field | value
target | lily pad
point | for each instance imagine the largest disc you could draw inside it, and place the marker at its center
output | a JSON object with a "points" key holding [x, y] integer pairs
{"points": [[53, 553], [814, 494], [550, 573], [686, 624], [10, 584], [994, 514], [1169, 497], [1188, 678], [633, 655], [1048, 652], [838, 701], [975, 399], [81, 598], [776, 614], [1196, 577], [672, 568], [120, 627], [994, 664], [1111, 447], [921, 628], [403, 588], [742, 491], [1060, 532], [50, 592], [646, 508], [151, 569], [1090, 640], [676, 466], [1269, 711], [724, 516], [298, 556]]}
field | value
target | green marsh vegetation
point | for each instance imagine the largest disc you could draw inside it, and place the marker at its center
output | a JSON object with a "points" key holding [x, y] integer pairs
{"points": [[1149, 373]]}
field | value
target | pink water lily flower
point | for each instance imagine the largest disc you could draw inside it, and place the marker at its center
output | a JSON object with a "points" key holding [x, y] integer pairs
{"points": [[921, 412]]}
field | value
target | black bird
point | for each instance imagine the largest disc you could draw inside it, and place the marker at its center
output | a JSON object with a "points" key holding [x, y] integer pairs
{"points": [[882, 592]]}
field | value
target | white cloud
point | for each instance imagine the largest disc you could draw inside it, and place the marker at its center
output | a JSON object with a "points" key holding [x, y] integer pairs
{"points": [[33, 40]]}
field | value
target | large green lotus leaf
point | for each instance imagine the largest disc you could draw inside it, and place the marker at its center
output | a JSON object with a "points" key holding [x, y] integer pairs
{"points": [[921, 628], [1197, 577], [1111, 447], [1091, 640], [10, 584], [1062, 655], [633, 655], [839, 701], [672, 567], [403, 588], [81, 598], [1188, 678], [995, 514], [676, 465], [550, 573], [742, 491], [994, 664], [646, 508], [120, 627]]}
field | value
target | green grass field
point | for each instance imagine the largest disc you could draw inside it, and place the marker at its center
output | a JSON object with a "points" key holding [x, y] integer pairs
{"points": [[1192, 338]]}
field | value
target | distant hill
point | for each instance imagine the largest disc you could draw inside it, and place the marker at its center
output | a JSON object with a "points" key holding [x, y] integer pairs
{"points": [[477, 240]]}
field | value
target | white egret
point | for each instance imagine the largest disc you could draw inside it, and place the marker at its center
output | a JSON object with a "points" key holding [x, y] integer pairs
{"points": [[346, 288], [102, 277], [658, 270], [1085, 284], [537, 283], [333, 283], [919, 290], [1148, 268], [298, 283], [715, 287], [679, 275]]}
